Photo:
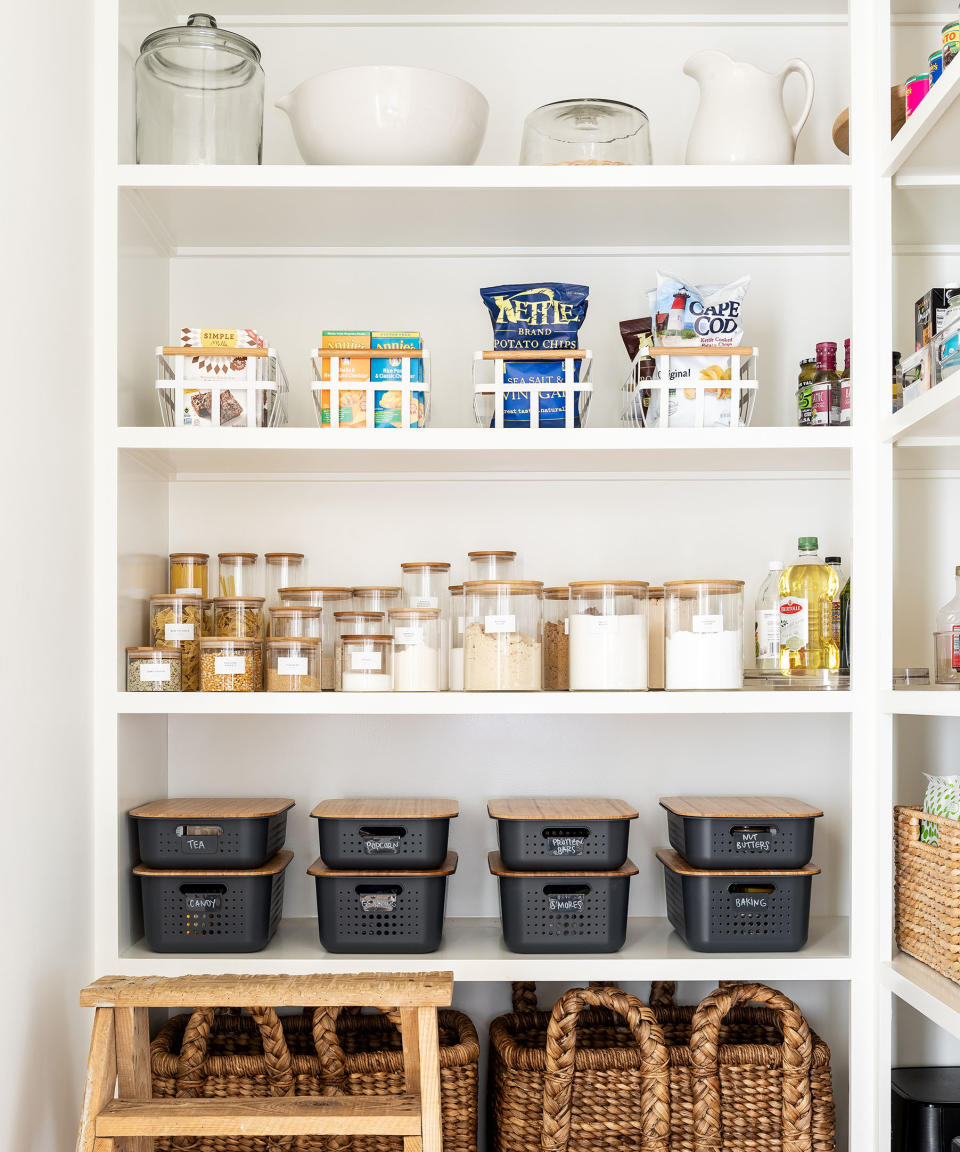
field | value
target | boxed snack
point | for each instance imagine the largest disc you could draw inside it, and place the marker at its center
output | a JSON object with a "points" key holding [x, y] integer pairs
{"points": [[929, 313], [351, 370], [917, 373], [388, 412], [391, 368], [231, 364]]}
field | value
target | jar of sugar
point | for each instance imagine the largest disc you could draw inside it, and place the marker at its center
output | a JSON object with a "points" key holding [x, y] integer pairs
{"points": [[703, 632], [418, 654], [367, 664], [608, 635]]}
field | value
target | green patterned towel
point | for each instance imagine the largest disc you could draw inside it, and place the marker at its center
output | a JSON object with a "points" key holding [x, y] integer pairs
{"points": [[942, 798]]}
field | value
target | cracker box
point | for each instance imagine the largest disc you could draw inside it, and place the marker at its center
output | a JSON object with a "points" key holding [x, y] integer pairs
{"points": [[391, 368], [351, 371], [928, 314], [232, 364]]}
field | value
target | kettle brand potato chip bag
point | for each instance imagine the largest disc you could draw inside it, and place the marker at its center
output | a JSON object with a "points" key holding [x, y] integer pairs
{"points": [[530, 317]]}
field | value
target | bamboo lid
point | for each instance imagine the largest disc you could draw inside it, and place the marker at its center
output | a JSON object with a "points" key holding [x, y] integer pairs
{"points": [[491, 552], [199, 557], [292, 641], [388, 591], [212, 807], [560, 808], [737, 807], [243, 557], [359, 615], [277, 557], [173, 598], [432, 565], [507, 587], [387, 808], [414, 613], [497, 867], [236, 601], [561, 592], [626, 585], [364, 639], [455, 589], [158, 653], [271, 868], [676, 863], [710, 585], [309, 610], [224, 641], [447, 868], [332, 593]]}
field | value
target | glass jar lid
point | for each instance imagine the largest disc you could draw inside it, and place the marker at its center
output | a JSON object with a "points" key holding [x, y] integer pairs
{"points": [[455, 589], [308, 611], [156, 653], [173, 598], [238, 601], [415, 614], [504, 587], [487, 552], [367, 639], [228, 642], [387, 591], [196, 557], [200, 54], [561, 592], [589, 120], [279, 557], [430, 565], [626, 586], [238, 557], [292, 642], [358, 615], [304, 594], [692, 587]]}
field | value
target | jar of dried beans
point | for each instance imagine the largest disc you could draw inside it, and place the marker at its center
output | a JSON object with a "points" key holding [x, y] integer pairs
{"points": [[153, 670], [177, 622], [501, 636], [230, 665]]}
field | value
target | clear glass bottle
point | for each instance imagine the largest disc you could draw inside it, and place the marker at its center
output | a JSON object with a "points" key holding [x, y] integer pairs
{"points": [[766, 621], [492, 565], [845, 395], [807, 589], [845, 629], [418, 654], [352, 623], [293, 664], [947, 639], [836, 563], [455, 679], [199, 96], [897, 383], [825, 387], [556, 639], [282, 570], [608, 635], [188, 573], [501, 639], [367, 664], [238, 574], [808, 369], [703, 635]]}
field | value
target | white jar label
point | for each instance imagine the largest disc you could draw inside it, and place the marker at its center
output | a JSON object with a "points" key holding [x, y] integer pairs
{"points": [[366, 661], [177, 632], [188, 591], [506, 623], [794, 623], [601, 624], [566, 627], [411, 635], [291, 665], [229, 665], [768, 634], [157, 673], [459, 625], [707, 624], [422, 602]]}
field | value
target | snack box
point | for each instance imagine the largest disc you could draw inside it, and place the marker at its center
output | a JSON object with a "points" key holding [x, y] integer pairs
{"points": [[917, 373], [928, 314], [351, 371], [232, 365], [391, 368]]}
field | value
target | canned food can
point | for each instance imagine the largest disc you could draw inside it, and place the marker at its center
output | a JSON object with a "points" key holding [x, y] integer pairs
{"points": [[936, 66], [951, 41], [820, 403], [917, 88]]}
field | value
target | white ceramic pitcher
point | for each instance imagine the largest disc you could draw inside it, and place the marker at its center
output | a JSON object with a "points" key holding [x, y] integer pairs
{"points": [[741, 118]]}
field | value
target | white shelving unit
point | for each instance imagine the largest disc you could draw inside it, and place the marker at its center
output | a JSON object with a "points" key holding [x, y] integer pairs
{"points": [[834, 248]]}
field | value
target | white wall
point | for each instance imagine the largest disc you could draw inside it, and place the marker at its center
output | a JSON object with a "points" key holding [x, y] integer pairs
{"points": [[45, 468]]}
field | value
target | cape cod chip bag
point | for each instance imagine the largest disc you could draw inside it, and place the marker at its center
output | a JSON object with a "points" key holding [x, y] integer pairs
{"points": [[531, 317], [708, 317]]}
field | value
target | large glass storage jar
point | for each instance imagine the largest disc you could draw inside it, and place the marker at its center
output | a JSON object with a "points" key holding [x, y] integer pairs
{"points": [[703, 633], [238, 616], [153, 669], [455, 627], [501, 638], [377, 598], [425, 584], [608, 635], [418, 653], [302, 620], [367, 663], [492, 565], [352, 624], [199, 96], [655, 638], [293, 664], [239, 574], [282, 570], [188, 573], [206, 607], [230, 664], [556, 639], [330, 599], [586, 131], [177, 622]]}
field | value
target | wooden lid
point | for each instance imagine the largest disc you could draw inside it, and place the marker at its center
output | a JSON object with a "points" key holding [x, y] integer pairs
{"points": [[432, 565], [381, 639], [414, 613], [333, 593], [310, 610], [390, 591], [243, 557], [447, 868], [223, 641], [491, 552], [173, 598], [712, 585], [507, 587], [236, 601], [158, 653], [561, 592], [735, 807], [626, 585], [276, 557], [359, 615], [676, 863], [202, 557], [455, 589], [627, 868], [212, 807], [271, 868], [560, 808], [387, 808], [655, 592], [292, 641]]}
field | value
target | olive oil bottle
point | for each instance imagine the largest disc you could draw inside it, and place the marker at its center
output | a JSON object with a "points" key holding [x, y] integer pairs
{"points": [[808, 646]]}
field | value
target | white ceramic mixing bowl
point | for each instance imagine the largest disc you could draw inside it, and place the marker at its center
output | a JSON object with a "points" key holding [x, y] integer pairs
{"points": [[386, 114]]}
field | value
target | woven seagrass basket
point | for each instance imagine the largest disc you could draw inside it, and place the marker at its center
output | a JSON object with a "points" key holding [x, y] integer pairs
{"points": [[604, 1073], [323, 1052], [927, 890]]}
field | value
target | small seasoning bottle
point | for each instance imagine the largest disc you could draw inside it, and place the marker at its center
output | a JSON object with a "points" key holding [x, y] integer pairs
{"points": [[845, 385], [808, 369], [556, 639], [825, 388]]}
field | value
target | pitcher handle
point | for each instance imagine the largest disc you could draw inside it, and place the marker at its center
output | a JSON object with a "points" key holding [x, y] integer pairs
{"points": [[801, 68]]}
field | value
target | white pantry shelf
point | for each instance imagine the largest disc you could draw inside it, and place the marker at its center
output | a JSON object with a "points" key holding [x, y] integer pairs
{"points": [[925, 990], [243, 208], [932, 701], [474, 950], [177, 453], [932, 418], [747, 702], [926, 141]]}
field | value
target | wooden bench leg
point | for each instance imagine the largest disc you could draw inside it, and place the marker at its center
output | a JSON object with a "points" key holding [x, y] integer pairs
{"points": [[429, 1043], [104, 1144], [133, 1066], [410, 1032], [100, 1082]]}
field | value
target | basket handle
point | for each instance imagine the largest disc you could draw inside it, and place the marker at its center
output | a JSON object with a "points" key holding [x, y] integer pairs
{"points": [[654, 1103], [705, 1051], [663, 992], [523, 994]]}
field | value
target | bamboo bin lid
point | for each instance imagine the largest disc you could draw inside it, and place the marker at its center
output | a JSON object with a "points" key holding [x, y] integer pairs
{"points": [[676, 863], [271, 868], [739, 807], [497, 867], [560, 808], [212, 807], [387, 808], [447, 868]]}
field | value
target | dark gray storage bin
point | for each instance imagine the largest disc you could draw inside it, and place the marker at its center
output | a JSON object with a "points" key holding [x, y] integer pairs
{"points": [[737, 911], [925, 1109], [219, 832], [377, 832], [763, 832], [563, 911], [562, 833], [381, 912], [214, 910]]}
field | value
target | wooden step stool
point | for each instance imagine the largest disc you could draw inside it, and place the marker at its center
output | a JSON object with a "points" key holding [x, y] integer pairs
{"points": [[118, 1109]]}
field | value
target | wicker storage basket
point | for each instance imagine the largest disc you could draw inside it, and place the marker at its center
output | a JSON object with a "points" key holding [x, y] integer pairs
{"points": [[323, 1052], [570, 1081], [927, 890]]}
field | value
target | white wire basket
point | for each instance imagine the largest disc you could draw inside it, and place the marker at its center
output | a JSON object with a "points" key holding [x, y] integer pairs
{"points": [[500, 404], [248, 391], [403, 403], [675, 400]]}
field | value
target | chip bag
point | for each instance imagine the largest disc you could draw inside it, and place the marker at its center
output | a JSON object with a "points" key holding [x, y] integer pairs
{"points": [[942, 798], [709, 317]]}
